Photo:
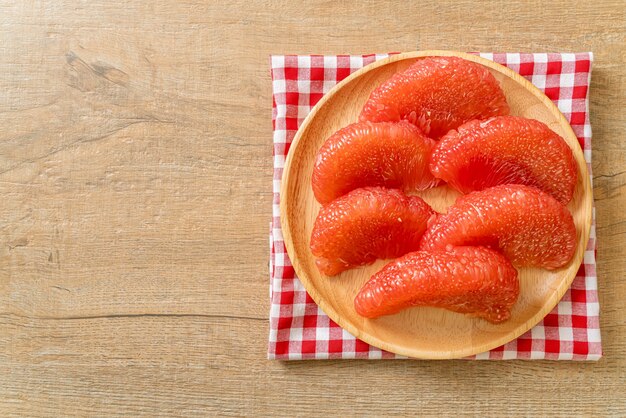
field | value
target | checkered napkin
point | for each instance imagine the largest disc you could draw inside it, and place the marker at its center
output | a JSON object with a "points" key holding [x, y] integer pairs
{"points": [[299, 329]]}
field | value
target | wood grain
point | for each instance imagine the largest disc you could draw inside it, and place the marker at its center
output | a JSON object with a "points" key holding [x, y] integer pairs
{"points": [[423, 333], [135, 172]]}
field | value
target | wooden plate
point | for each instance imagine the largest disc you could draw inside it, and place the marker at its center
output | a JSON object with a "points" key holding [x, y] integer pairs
{"points": [[420, 332]]}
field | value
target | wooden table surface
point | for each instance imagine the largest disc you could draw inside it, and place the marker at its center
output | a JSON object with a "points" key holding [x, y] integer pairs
{"points": [[135, 175]]}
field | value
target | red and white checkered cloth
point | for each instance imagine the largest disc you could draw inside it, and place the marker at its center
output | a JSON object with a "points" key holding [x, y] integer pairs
{"points": [[298, 327]]}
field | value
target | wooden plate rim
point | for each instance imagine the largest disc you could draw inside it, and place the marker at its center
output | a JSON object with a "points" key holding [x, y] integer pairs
{"points": [[370, 339]]}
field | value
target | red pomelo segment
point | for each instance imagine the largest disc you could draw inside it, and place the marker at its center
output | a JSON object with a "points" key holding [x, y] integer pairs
{"points": [[506, 149], [392, 155], [367, 224], [529, 226], [471, 280], [437, 94]]}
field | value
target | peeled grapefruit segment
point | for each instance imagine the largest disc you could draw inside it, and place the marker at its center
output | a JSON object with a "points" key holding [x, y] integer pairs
{"points": [[364, 154], [529, 226], [471, 280], [506, 149], [367, 224], [437, 94]]}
